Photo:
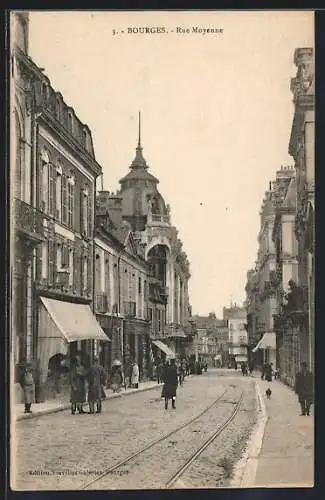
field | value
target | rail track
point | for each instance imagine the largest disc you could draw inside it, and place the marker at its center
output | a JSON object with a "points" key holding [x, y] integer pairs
{"points": [[177, 475], [190, 460]]}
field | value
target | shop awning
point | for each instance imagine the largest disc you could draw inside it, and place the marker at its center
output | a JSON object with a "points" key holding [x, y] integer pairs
{"points": [[164, 348], [268, 341], [74, 321]]}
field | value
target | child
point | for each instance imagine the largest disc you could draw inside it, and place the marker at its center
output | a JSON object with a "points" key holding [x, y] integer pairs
{"points": [[29, 388]]}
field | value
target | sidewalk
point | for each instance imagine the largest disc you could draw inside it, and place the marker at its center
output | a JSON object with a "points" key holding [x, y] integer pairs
{"points": [[59, 404], [281, 451]]}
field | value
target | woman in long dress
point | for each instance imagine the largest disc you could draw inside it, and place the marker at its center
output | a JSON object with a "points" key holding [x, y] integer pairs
{"points": [[116, 378], [78, 390]]}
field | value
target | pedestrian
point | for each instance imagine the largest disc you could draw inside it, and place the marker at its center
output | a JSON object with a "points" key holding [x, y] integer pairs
{"points": [[96, 380], [263, 371], [170, 384], [28, 387], [180, 373], [251, 368], [243, 368], [268, 372], [77, 383], [116, 378], [304, 389], [135, 376], [160, 372]]}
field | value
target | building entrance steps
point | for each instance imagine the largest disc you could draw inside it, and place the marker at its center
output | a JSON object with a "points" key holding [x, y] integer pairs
{"points": [[58, 404], [281, 449]]}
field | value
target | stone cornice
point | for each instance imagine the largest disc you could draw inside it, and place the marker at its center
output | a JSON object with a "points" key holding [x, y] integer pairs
{"points": [[56, 127]]}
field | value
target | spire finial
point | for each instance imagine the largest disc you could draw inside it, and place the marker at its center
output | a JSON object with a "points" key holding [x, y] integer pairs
{"points": [[139, 138]]}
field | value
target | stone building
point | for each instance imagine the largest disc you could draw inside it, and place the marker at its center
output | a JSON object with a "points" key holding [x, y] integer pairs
{"points": [[301, 148], [236, 318], [121, 286], [211, 340], [54, 192], [145, 209], [286, 250]]}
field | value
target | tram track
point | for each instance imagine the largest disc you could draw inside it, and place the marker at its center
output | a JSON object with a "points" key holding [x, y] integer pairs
{"points": [[178, 474], [128, 459], [173, 479]]}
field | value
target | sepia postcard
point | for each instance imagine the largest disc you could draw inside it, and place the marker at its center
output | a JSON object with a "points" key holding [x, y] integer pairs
{"points": [[162, 183]]}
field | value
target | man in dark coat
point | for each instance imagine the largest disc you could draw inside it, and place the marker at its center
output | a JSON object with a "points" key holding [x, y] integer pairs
{"points": [[304, 389], [170, 384], [96, 380]]}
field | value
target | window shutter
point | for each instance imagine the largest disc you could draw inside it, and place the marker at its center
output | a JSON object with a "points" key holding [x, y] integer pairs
{"points": [[64, 199], [70, 204], [51, 261], [90, 215], [81, 212], [89, 270], [76, 268]]}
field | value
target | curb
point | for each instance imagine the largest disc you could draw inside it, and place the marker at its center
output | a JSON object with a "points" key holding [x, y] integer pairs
{"points": [[67, 406], [246, 468]]}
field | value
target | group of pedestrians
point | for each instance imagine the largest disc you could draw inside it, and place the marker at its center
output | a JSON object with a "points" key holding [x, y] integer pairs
{"points": [[96, 378]]}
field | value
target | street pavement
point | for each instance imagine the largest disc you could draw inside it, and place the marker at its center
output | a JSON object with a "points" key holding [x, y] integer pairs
{"points": [[61, 451]]}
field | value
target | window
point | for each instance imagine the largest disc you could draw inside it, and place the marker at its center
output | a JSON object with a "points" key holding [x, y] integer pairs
{"points": [[52, 189], [52, 257], [65, 261], [85, 272], [18, 169], [44, 180], [58, 189], [70, 201], [70, 121], [159, 320], [64, 199], [139, 286], [84, 211]]}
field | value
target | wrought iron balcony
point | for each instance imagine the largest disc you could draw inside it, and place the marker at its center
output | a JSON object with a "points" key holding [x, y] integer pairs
{"points": [[29, 221], [101, 303], [62, 278]]}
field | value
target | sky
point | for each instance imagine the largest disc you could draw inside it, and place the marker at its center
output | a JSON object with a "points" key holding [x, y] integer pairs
{"points": [[216, 115]]}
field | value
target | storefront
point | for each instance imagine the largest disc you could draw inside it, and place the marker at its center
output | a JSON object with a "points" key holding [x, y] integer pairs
{"points": [[268, 345], [65, 328], [135, 339]]}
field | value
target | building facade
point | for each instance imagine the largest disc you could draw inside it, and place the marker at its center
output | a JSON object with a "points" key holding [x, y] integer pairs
{"points": [[56, 170], [149, 217], [121, 286], [236, 318], [301, 148], [286, 248]]}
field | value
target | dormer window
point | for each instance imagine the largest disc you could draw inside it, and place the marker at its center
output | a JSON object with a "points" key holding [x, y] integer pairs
{"points": [[70, 121], [84, 137]]}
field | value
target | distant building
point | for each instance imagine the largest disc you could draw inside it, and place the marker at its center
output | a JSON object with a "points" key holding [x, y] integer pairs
{"points": [[211, 340], [236, 317]]}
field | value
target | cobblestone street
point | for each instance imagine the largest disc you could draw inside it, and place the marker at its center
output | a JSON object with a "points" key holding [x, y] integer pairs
{"points": [[61, 451]]}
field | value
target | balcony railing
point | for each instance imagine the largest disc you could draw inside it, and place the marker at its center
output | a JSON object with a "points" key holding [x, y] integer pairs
{"points": [[101, 303], [62, 278], [130, 309], [28, 219]]}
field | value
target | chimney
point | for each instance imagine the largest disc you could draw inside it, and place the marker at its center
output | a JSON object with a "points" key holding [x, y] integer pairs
{"points": [[113, 204]]}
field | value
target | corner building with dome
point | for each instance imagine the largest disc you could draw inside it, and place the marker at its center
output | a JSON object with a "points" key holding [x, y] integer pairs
{"points": [[166, 298]]}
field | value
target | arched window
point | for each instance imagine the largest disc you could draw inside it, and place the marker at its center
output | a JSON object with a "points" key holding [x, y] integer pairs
{"points": [[17, 180]]}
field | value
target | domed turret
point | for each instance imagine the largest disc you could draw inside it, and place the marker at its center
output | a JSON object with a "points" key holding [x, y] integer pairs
{"points": [[141, 198]]}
